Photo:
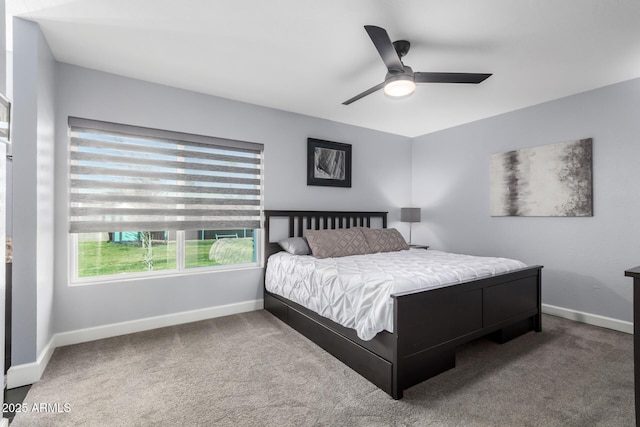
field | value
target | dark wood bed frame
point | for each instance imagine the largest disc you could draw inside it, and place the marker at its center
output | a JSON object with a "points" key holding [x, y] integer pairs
{"points": [[428, 324]]}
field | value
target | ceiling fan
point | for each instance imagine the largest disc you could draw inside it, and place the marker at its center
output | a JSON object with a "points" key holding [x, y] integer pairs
{"points": [[401, 79]]}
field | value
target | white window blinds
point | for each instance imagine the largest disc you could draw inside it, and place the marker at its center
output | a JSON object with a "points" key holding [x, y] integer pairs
{"points": [[127, 178]]}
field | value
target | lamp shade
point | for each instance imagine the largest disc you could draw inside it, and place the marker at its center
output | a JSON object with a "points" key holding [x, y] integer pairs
{"points": [[410, 214]]}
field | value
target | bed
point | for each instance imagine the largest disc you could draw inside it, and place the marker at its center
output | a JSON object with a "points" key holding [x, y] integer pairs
{"points": [[427, 325]]}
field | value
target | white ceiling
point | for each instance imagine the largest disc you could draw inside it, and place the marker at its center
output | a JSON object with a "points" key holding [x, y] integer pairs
{"points": [[308, 56]]}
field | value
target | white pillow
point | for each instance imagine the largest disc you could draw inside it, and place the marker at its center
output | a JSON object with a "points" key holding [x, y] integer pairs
{"points": [[295, 246]]}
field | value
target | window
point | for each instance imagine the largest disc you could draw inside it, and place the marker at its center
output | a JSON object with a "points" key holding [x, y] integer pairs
{"points": [[145, 201]]}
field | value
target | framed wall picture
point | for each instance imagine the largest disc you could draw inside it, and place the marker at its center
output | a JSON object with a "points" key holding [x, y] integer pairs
{"points": [[328, 163], [5, 118]]}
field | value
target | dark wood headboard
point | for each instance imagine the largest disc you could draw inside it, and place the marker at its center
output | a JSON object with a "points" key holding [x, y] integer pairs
{"points": [[317, 220]]}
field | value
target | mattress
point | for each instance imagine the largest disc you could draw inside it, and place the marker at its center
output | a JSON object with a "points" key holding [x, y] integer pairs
{"points": [[355, 291]]}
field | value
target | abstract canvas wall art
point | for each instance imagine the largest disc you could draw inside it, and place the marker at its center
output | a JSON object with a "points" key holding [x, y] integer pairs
{"points": [[549, 180]]}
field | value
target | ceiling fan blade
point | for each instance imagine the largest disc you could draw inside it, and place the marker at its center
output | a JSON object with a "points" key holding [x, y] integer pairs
{"points": [[382, 42], [450, 77], [363, 94]]}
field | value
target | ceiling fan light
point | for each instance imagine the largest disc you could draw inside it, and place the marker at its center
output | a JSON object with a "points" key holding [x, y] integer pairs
{"points": [[399, 86]]}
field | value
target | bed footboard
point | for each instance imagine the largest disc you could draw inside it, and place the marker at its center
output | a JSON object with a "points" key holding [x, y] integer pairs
{"points": [[431, 324]]}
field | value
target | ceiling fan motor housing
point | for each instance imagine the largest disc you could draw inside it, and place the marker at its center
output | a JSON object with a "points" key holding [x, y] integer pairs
{"points": [[399, 75], [401, 47]]}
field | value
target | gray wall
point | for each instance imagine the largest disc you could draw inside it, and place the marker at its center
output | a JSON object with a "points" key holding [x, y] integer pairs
{"points": [[33, 93], [381, 181], [584, 258], [45, 256]]}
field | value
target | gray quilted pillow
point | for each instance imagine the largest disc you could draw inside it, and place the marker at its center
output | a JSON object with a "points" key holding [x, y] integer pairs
{"points": [[295, 246], [337, 243], [384, 239]]}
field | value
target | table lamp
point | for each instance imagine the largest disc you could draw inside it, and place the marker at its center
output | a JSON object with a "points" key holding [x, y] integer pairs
{"points": [[410, 215]]}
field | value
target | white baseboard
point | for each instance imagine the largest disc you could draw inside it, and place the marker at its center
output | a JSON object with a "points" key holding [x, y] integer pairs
{"points": [[591, 319], [29, 373]]}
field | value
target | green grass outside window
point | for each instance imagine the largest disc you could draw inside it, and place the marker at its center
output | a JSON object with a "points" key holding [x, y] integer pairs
{"points": [[105, 258]]}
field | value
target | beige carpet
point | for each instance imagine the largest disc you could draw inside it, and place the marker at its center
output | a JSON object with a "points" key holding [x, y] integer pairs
{"points": [[252, 370]]}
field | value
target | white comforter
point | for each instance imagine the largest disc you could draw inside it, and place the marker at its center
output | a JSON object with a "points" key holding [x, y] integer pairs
{"points": [[354, 291]]}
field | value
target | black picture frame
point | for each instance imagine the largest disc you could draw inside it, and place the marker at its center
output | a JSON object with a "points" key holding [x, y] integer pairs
{"points": [[328, 163]]}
